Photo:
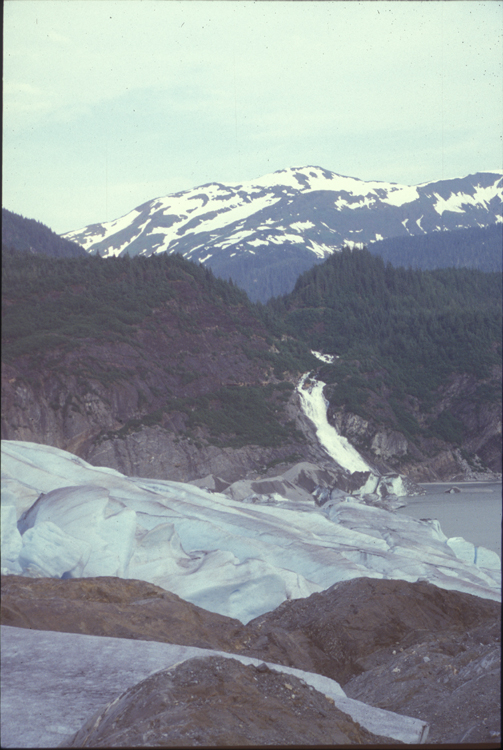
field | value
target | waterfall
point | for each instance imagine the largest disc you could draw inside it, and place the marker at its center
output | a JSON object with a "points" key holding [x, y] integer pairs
{"points": [[314, 406]]}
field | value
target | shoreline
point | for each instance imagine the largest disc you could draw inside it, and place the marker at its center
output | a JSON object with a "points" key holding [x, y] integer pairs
{"points": [[452, 483]]}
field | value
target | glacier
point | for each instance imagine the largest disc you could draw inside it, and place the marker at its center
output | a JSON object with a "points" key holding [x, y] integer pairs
{"points": [[62, 517]]}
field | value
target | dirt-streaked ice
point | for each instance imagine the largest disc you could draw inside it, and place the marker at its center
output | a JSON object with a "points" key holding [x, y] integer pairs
{"points": [[230, 557], [81, 673]]}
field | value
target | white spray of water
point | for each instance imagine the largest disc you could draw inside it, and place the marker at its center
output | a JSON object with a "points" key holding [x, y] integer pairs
{"points": [[314, 405]]}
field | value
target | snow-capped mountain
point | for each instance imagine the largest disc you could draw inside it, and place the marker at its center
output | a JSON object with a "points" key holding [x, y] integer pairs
{"points": [[265, 232]]}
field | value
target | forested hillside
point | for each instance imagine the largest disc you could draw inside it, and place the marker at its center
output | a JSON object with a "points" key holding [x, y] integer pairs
{"points": [[34, 237], [477, 247], [96, 350], [148, 364], [402, 338]]}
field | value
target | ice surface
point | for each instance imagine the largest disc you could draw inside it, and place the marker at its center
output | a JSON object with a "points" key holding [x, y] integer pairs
{"points": [[11, 540], [314, 406], [81, 673], [234, 558]]}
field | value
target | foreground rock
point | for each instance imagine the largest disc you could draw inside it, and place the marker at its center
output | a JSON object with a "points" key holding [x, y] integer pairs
{"points": [[354, 620], [138, 610], [451, 681], [406, 647], [411, 648], [113, 607], [219, 701]]}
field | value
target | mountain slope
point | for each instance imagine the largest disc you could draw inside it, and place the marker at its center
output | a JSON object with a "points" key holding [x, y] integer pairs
{"points": [[477, 247], [287, 221], [417, 357], [34, 237], [153, 366]]}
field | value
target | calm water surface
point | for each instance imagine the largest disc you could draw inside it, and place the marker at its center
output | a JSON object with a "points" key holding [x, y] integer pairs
{"points": [[474, 513]]}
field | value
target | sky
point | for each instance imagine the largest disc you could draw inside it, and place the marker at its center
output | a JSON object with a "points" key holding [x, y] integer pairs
{"points": [[111, 103]]}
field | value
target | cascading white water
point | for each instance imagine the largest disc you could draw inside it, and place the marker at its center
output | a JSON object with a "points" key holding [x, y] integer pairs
{"points": [[338, 447]]}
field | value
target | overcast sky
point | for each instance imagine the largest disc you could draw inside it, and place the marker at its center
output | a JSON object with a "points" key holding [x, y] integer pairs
{"points": [[111, 103]]}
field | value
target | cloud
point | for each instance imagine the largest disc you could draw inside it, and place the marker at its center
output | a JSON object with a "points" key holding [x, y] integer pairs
{"points": [[177, 91]]}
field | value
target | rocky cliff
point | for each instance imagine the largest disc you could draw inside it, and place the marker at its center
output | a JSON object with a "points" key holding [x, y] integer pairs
{"points": [[476, 454]]}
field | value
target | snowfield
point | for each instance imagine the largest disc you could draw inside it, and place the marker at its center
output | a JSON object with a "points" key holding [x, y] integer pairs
{"points": [[62, 517]]}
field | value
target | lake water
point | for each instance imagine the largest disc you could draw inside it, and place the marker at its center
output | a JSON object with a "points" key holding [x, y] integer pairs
{"points": [[474, 513]]}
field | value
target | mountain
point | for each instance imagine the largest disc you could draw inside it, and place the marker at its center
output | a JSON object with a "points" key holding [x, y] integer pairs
{"points": [[265, 232], [34, 237], [477, 247], [97, 353]]}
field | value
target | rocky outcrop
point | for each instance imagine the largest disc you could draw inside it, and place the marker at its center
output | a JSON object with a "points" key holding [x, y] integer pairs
{"points": [[217, 702], [159, 454], [470, 404], [302, 481], [411, 648]]}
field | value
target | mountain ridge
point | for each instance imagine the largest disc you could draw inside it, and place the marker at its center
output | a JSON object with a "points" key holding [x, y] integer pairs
{"points": [[32, 236], [283, 223]]}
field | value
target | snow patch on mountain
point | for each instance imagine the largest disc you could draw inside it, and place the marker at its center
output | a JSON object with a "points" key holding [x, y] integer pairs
{"points": [[458, 201], [302, 225], [319, 249], [309, 212]]}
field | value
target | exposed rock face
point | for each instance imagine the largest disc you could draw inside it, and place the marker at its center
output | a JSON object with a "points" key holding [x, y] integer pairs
{"points": [[430, 458], [387, 444], [155, 453], [85, 416], [219, 701]]}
